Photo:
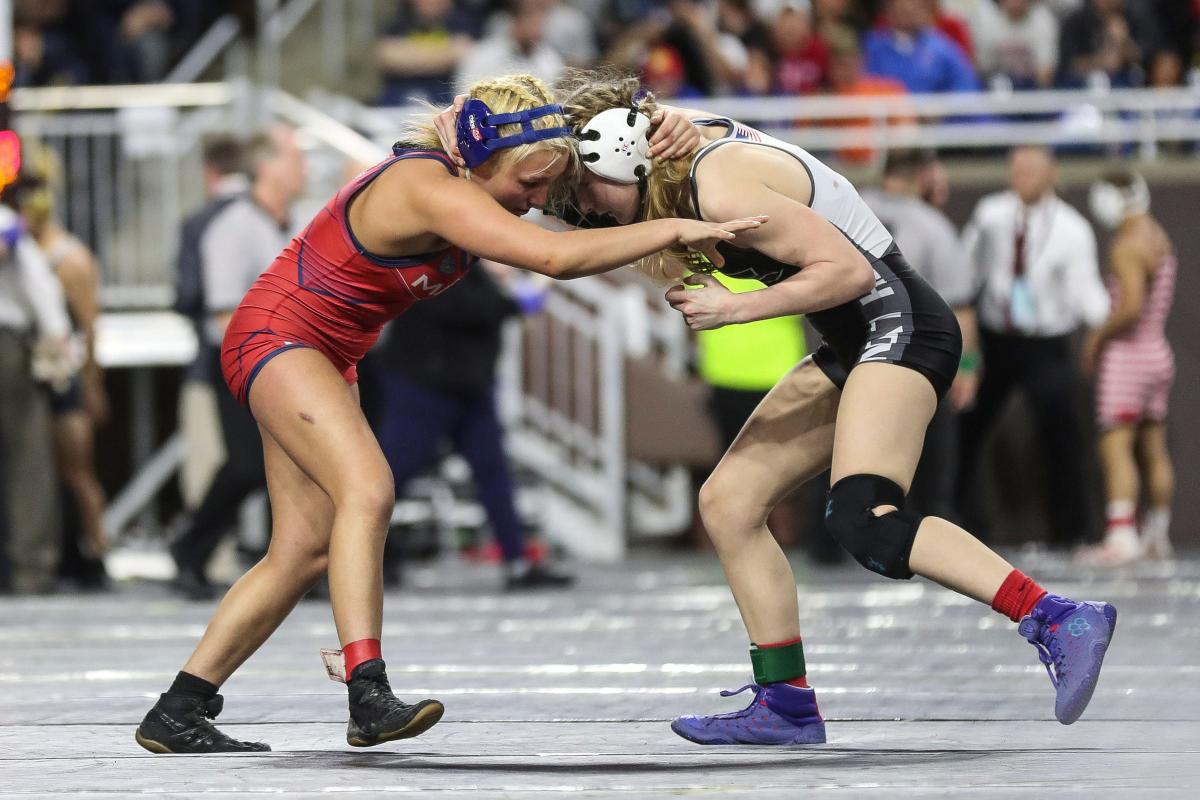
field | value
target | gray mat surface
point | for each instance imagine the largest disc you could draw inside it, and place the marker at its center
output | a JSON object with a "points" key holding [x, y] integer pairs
{"points": [[926, 694]]}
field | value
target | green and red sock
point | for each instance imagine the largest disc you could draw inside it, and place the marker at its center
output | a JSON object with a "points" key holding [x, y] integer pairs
{"points": [[779, 662]]}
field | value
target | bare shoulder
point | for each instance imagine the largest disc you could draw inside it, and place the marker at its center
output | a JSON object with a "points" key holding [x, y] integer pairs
{"points": [[730, 177], [411, 178], [78, 265], [389, 211]]}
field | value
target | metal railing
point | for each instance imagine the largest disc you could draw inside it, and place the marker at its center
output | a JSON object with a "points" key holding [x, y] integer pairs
{"points": [[1103, 121]]}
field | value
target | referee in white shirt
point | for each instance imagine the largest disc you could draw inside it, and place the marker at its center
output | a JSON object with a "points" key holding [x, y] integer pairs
{"points": [[1039, 280]]}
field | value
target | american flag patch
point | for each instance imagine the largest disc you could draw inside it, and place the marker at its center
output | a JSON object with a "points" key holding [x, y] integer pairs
{"points": [[740, 131]]}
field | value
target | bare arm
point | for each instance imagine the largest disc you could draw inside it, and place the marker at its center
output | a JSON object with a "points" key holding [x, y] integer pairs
{"points": [[832, 271], [1129, 267], [80, 276], [463, 214], [80, 281]]}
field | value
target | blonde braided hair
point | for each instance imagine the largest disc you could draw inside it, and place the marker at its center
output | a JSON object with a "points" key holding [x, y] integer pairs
{"points": [[507, 95]]}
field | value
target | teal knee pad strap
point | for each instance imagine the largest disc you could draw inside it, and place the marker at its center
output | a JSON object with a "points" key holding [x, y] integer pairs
{"points": [[777, 664]]}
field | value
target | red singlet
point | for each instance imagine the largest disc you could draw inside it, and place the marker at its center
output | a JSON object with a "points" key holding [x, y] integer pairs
{"points": [[327, 292]]}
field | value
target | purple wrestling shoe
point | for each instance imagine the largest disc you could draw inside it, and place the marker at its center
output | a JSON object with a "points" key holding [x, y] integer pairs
{"points": [[1071, 639], [780, 715]]}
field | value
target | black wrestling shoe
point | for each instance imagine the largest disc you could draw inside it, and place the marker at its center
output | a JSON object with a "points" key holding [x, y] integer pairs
{"points": [[180, 724], [376, 716], [536, 576]]}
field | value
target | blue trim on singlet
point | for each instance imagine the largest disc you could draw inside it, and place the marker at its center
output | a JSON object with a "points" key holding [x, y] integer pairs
{"points": [[262, 362], [398, 155]]}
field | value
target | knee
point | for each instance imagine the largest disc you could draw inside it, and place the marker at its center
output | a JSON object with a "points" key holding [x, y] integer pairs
{"points": [[371, 497], [727, 512], [880, 542]]}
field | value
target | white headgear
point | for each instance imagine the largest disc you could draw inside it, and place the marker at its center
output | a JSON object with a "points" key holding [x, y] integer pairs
{"points": [[614, 145], [1110, 204]]}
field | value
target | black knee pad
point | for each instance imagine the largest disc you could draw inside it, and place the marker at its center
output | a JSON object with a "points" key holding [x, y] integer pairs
{"points": [[880, 543]]}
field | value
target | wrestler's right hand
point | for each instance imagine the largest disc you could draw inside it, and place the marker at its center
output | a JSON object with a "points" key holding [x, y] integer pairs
{"points": [[703, 237]]}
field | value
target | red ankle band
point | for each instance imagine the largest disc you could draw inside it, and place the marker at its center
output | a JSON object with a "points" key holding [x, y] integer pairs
{"points": [[356, 653], [1017, 596]]}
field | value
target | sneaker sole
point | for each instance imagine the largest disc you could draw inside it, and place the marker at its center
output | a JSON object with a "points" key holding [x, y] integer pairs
{"points": [[151, 745], [162, 749], [1079, 702], [809, 735], [423, 720]]}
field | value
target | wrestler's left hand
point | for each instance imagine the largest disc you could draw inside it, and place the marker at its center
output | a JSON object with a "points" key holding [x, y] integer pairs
{"points": [[705, 308]]}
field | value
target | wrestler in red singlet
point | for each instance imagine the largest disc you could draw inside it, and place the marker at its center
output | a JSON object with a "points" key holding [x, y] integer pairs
{"points": [[327, 292]]}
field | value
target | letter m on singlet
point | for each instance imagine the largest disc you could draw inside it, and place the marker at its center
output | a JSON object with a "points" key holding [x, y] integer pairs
{"points": [[423, 284]]}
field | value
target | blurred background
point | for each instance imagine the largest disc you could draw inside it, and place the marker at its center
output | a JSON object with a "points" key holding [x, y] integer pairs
{"points": [[128, 123]]}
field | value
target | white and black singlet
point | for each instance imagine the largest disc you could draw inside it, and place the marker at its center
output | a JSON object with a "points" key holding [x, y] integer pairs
{"points": [[901, 321]]}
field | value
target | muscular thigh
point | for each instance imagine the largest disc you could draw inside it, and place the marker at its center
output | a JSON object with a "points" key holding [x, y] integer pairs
{"points": [[314, 416], [787, 440], [881, 423]]}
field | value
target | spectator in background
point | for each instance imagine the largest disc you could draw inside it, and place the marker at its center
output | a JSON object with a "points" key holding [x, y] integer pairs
{"points": [[516, 48], [570, 32], [43, 51], [1036, 260], [108, 41], [239, 242], [801, 54], [421, 49], [846, 79], [223, 171], [664, 73], [1016, 41], [933, 183], [911, 50], [436, 372], [831, 15], [686, 34], [738, 21], [31, 310], [77, 408], [1109, 38], [931, 245], [1180, 23], [954, 27]]}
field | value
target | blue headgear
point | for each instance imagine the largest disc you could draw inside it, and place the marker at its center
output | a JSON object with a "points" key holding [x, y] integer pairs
{"points": [[479, 135]]}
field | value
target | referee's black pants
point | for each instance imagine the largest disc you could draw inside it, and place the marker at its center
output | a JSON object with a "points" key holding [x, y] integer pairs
{"points": [[242, 473], [1045, 368]]}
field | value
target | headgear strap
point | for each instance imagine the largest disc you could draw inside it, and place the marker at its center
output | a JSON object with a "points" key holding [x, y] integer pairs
{"points": [[479, 135]]}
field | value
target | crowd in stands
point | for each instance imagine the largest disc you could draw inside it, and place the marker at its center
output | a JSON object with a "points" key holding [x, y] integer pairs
{"points": [[69, 42], [686, 48], [681, 48]]}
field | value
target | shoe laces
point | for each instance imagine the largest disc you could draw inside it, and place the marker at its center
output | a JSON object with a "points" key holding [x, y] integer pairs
{"points": [[744, 711], [1050, 650], [203, 731], [375, 691]]}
